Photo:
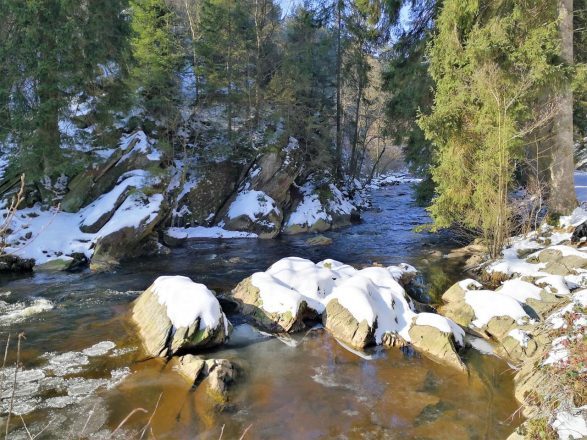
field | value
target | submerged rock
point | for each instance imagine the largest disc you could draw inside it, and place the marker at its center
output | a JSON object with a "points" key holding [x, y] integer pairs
{"points": [[319, 240], [175, 314], [217, 375]]}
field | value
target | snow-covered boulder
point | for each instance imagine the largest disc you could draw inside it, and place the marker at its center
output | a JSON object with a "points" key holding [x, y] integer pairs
{"points": [[175, 313], [217, 375], [136, 151], [361, 308], [491, 314], [439, 337], [127, 231], [280, 310], [253, 211], [560, 259], [318, 209]]}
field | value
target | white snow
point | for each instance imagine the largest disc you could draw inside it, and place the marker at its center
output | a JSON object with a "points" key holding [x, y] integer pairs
{"points": [[253, 204], [520, 290], [134, 211], [558, 351], [107, 202], [187, 301], [470, 284], [211, 232], [443, 324], [556, 284], [310, 210], [571, 424], [578, 216], [521, 336], [487, 304]]}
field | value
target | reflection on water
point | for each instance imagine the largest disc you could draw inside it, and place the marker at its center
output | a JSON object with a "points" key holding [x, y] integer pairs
{"points": [[312, 388]]}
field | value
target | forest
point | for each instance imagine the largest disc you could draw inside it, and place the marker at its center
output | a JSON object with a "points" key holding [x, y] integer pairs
{"points": [[430, 154]]}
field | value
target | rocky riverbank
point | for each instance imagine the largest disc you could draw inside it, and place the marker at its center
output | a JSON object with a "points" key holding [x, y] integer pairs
{"points": [[137, 200]]}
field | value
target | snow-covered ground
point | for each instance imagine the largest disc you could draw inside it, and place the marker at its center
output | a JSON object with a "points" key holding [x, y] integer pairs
{"points": [[50, 234]]}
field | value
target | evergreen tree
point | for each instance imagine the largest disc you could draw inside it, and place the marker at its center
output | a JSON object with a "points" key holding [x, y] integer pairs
{"points": [[410, 90], [493, 63], [52, 51], [305, 86], [157, 56]]}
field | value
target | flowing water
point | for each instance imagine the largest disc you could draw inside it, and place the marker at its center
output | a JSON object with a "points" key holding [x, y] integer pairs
{"points": [[83, 370]]}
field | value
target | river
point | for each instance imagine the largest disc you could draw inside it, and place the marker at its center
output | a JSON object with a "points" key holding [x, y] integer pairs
{"points": [[304, 387]]}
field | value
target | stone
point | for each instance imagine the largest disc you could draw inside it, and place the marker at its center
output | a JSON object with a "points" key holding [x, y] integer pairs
{"points": [[128, 241], [436, 344], [56, 265], [250, 304], [12, 263], [319, 240], [161, 338], [217, 375], [341, 323], [204, 198]]}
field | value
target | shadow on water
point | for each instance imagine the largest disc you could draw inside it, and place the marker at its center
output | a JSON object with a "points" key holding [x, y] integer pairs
{"points": [[305, 387]]}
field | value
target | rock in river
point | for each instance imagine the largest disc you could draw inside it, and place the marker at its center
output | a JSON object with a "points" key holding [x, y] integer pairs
{"points": [[175, 314]]}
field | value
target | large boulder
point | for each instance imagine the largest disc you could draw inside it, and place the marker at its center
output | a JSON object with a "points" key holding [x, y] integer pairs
{"points": [[207, 187], [344, 326], [134, 153], [560, 259], [438, 337], [253, 211], [176, 315], [319, 208], [127, 230], [484, 312], [277, 310]]}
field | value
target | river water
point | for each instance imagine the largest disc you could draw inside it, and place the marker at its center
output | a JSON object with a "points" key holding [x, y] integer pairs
{"points": [[84, 372]]}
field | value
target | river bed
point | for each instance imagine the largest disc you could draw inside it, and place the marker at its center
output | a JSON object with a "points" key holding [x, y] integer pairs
{"points": [[84, 371]]}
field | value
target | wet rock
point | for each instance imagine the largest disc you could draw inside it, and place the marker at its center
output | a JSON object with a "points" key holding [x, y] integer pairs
{"points": [[319, 240], [250, 304], [439, 345], [175, 314], [217, 375], [12, 263], [342, 324], [56, 265]]}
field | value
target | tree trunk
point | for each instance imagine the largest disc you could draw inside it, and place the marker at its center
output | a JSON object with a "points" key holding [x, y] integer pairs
{"points": [[356, 131], [562, 198], [338, 159]]}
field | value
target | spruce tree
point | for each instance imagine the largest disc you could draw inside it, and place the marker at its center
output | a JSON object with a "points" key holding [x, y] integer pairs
{"points": [[493, 64]]}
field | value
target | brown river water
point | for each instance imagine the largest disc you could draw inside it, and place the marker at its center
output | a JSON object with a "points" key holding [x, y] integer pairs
{"points": [[304, 387]]}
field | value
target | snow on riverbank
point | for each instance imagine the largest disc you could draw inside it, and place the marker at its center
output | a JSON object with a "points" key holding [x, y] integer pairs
{"points": [[204, 232]]}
